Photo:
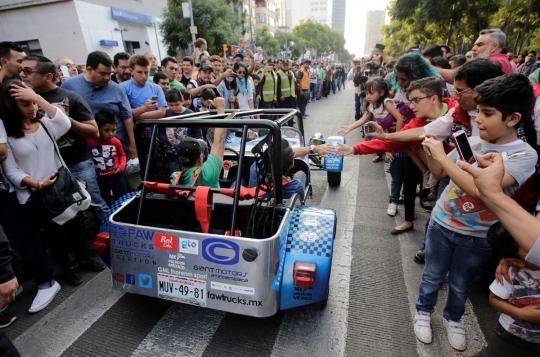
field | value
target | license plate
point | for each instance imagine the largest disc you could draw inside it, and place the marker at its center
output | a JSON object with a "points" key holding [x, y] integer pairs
{"points": [[184, 290]]}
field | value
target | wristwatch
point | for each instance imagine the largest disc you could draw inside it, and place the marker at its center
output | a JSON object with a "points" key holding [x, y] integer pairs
{"points": [[312, 149]]}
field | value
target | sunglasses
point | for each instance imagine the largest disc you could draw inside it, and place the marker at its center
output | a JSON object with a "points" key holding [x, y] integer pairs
{"points": [[28, 71], [241, 72]]}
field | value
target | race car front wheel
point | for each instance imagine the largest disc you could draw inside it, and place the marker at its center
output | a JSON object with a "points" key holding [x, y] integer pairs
{"points": [[333, 178]]}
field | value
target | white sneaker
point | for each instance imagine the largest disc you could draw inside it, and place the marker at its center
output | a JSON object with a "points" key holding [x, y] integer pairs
{"points": [[392, 209], [422, 326], [456, 334], [44, 297]]}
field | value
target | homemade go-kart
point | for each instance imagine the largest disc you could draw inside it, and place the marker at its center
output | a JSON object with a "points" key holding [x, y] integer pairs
{"points": [[239, 250]]}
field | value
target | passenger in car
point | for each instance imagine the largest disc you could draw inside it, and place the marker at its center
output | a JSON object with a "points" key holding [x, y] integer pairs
{"points": [[190, 153], [299, 179]]}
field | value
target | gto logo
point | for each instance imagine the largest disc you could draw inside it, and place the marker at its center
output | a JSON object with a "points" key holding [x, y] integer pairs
{"points": [[189, 246], [308, 236], [220, 251], [166, 241]]}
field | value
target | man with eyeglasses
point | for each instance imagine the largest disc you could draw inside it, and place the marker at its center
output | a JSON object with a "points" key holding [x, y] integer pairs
{"points": [[10, 57], [121, 68]]}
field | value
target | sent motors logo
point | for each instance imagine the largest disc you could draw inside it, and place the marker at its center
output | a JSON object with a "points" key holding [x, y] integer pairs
{"points": [[166, 241], [189, 246], [220, 251]]}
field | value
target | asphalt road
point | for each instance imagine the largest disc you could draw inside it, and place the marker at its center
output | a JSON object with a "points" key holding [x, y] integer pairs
{"points": [[374, 285]]}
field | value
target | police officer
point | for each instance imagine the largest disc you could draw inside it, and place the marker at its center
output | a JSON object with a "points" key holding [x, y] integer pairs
{"points": [[268, 86], [286, 88]]}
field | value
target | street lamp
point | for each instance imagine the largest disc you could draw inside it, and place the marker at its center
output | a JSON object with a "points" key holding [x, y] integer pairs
{"points": [[157, 39], [122, 34]]}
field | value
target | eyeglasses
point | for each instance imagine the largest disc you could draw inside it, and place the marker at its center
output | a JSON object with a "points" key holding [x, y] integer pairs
{"points": [[459, 93], [28, 71], [415, 101]]}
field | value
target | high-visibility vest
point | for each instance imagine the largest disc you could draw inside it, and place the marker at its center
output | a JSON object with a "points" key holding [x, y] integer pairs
{"points": [[287, 85], [269, 88], [304, 82]]}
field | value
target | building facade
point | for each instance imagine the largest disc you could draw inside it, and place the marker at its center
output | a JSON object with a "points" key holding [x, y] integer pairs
{"points": [[338, 15], [74, 28], [314, 10], [375, 20]]}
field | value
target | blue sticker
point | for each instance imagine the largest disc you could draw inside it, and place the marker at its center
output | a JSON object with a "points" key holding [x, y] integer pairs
{"points": [[130, 279], [145, 281], [220, 251]]}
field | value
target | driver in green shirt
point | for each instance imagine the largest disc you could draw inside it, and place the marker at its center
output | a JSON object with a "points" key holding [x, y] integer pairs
{"points": [[190, 152]]}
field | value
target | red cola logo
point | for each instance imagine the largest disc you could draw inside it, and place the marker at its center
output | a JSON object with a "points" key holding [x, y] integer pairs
{"points": [[166, 241]]}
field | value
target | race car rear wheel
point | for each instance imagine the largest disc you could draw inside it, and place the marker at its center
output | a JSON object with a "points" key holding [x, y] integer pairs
{"points": [[321, 305], [333, 178]]}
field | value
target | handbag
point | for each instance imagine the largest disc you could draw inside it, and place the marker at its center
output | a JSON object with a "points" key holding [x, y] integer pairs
{"points": [[65, 198]]}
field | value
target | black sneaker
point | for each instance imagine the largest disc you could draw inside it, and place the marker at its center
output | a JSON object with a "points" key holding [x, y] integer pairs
{"points": [[426, 205], [6, 320], [93, 264], [420, 256], [72, 277]]}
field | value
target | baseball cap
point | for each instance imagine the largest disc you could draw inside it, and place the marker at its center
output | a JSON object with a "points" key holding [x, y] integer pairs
{"points": [[357, 59], [206, 66], [271, 61], [190, 149]]}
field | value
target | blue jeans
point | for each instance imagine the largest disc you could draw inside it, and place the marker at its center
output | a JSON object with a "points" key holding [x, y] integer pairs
{"points": [[459, 255], [333, 86], [318, 88], [303, 100], [358, 100], [115, 183], [312, 87], [86, 172], [397, 171]]}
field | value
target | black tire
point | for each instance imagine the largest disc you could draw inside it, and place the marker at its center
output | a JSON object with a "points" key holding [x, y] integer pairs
{"points": [[333, 178], [321, 305]]}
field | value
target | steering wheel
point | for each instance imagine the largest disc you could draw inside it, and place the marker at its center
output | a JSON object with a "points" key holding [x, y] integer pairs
{"points": [[225, 178]]}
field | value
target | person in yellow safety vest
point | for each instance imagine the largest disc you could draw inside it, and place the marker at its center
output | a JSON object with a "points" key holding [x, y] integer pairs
{"points": [[303, 82], [286, 88], [268, 87]]}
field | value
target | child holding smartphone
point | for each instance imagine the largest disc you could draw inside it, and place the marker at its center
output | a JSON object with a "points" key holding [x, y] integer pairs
{"points": [[456, 236]]}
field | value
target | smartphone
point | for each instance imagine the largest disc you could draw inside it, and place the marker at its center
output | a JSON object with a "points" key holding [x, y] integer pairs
{"points": [[380, 46], [463, 147], [416, 50], [368, 129], [154, 98], [65, 71]]}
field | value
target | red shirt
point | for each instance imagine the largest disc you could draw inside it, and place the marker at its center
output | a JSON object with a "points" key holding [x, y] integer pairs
{"points": [[503, 61], [107, 156], [375, 146]]}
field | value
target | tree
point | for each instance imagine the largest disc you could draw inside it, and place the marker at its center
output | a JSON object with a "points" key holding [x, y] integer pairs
{"points": [[455, 23], [296, 45], [269, 43], [320, 38], [216, 21]]}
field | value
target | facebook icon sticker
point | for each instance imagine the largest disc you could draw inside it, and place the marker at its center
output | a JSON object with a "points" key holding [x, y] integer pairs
{"points": [[145, 281], [130, 279]]}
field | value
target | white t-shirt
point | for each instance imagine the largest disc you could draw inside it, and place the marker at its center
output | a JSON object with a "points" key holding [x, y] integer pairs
{"points": [[258, 57], [243, 98], [524, 291], [313, 75], [380, 112], [34, 155], [442, 127]]}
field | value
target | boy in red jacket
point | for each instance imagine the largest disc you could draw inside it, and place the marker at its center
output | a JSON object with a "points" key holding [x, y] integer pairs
{"points": [[109, 158]]}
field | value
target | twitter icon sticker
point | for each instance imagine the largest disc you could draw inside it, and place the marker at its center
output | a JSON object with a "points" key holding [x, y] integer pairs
{"points": [[145, 281]]}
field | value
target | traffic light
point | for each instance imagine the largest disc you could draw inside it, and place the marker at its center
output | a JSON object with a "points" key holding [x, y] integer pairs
{"points": [[224, 48]]}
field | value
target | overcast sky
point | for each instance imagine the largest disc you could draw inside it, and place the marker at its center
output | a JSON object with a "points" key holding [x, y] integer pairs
{"points": [[355, 22]]}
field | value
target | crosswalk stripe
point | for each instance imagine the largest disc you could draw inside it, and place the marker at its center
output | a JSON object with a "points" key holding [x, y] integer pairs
{"points": [[56, 331], [183, 331]]}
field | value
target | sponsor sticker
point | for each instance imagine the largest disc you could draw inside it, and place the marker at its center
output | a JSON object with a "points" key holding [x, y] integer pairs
{"points": [[234, 299], [308, 236], [145, 281], [232, 288], [130, 279], [184, 290], [166, 241], [118, 277], [189, 246], [220, 251]]}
